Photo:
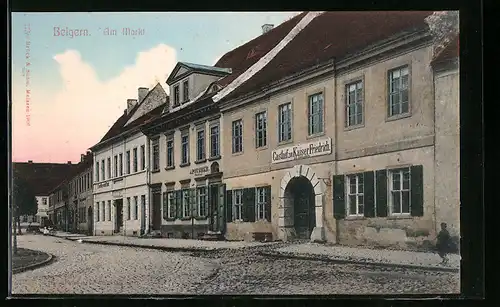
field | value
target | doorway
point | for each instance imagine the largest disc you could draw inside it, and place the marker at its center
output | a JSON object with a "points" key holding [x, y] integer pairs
{"points": [[90, 221], [156, 211], [119, 215], [301, 192]]}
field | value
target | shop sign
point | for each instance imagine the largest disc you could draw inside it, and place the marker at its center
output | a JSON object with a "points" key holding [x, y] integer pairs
{"points": [[199, 171], [103, 185], [302, 151]]}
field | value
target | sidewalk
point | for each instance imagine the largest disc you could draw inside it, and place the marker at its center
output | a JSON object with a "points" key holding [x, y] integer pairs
{"points": [[344, 254], [160, 243]]}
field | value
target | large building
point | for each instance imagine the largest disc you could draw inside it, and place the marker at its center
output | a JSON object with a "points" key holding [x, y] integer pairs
{"points": [[42, 178], [121, 169]]}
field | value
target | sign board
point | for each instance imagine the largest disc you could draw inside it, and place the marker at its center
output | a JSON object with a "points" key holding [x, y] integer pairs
{"points": [[314, 148], [103, 185], [199, 171]]}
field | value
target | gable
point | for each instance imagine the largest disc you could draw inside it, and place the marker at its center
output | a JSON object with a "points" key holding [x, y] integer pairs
{"points": [[181, 71], [155, 98]]}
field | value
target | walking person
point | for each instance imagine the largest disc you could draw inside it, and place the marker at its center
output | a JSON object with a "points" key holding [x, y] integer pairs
{"points": [[443, 243]]}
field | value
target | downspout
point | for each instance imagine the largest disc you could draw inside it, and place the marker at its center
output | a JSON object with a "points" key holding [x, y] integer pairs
{"points": [[336, 152]]}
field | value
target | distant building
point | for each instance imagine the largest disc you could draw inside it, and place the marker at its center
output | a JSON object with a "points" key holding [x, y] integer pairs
{"points": [[81, 196]]}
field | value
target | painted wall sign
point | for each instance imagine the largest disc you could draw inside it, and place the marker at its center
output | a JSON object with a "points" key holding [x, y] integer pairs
{"points": [[103, 185], [117, 193], [199, 171], [302, 151]]}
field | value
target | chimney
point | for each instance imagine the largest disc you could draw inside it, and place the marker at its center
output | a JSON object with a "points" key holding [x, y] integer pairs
{"points": [[267, 27], [82, 157], [30, 161], [131, 104], [69, 162], [141, 93]]}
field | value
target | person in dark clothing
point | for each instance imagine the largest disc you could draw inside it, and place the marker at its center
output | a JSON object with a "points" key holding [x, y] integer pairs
{"points": [[443, 243]]}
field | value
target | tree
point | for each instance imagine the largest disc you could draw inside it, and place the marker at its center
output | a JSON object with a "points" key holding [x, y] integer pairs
{"points": [[23, 201]]}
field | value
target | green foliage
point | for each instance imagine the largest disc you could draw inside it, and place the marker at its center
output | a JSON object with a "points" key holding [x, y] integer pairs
{"points": [[23, 197]]}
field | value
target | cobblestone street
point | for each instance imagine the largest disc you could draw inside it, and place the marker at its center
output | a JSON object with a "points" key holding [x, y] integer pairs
{"points": [[98, 269]]}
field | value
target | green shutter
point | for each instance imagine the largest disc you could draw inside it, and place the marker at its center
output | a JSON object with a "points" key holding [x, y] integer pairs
{"points": [[417, 190], [229, 206], [268, 203], [369, 193], [178, 203], [381, 192], [165, 206], [193, 203], [222, 207], [338, 197], [249, 205]]}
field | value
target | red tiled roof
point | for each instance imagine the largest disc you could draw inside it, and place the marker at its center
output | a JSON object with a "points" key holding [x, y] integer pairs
{"points": [[450, 51], [330, 35], [43, 177]]}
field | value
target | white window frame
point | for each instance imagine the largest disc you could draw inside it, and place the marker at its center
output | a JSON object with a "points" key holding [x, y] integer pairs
{"points": [[110, 175], [260, 203], [143, 157], [185, 91], [177, 95], [354, 101], [396, 76], [237, 137], [214, 138], [261, 129], [237, 204], [135, 160], [285, 122], [400, 172], [313, 114], [155, 154], [171, 204], [185, 147], [356, 193], [202, 198], [170, 152], [200, 145]]}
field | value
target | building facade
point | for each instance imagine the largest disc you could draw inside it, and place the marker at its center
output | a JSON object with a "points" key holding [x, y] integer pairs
{"points": [[186, 179], [121, 176], [59, 206], [81, 197], [343, 150]]}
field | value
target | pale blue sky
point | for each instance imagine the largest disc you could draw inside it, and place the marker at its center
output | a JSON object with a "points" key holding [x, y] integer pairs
{"points": [[79, 85]]}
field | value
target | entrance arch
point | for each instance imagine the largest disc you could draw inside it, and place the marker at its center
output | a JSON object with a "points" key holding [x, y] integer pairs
{"points": [[301, 205]]}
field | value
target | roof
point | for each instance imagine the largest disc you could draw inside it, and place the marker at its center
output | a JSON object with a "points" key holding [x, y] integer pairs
{"points": [[331, 35], [43, 177], [449, 52], [206, 67], [174, 76]]}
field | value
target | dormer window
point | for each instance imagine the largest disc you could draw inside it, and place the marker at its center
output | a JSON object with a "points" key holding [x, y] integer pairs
{"points": [[176, 95], [185, 90]]}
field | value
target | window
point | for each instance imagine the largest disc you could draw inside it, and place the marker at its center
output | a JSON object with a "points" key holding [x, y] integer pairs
{"points": [[398, 91], [136, 207], [171, 205], [116, 166], [185, 90], [237, 136], [399, 187], [354, 104], [44, 201], [185, 203], [202, 201], [260, 129], [135, 159], [120, 162], [109, 168], [127, 162], [128, 208], [261, 200], [143, 157], [200, 145], [109, 210], [97, 171], [143, 203], [103, 211], [355, 195], [102, 170], [185, 148], [285, 122], [214, 141], [170, 153], [156, 155], [238, 205], [97, 211], [176, 95], [315, 112]]}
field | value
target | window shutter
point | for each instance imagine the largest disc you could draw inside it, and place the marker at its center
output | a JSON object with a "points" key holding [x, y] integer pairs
{"points": [[229, 206], [381, 192], [165, 206], [417, 190], [221, 207], [193, 202], [369, 194], [249, 205], [338, 197], [178, 203], [268, 203]]}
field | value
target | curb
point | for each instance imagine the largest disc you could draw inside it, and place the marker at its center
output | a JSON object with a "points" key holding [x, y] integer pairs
{"points": [[345, 261], [33, 266]]}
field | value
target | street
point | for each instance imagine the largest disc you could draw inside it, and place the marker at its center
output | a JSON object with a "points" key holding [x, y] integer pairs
{"points": [[82, 268]]}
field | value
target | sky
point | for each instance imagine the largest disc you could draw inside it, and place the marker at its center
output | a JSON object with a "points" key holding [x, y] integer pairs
{"points": [[71, 77]]}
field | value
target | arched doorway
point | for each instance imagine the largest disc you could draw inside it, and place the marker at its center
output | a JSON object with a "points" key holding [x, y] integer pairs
{"points": [[299, 193], [90, 221]]}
